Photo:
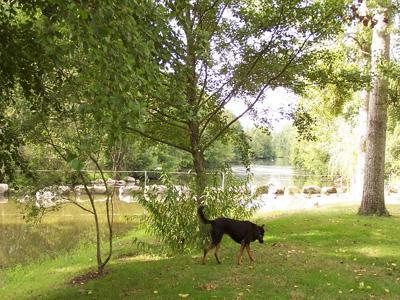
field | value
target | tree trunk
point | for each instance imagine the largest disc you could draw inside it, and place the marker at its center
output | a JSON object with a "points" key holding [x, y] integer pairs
{"points": [[191, 94], [198, 160], [100, 266], [373, 200]]}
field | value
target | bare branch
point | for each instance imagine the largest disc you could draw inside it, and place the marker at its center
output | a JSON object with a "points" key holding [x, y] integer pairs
{"points": [[157, 139], [362, 47], [52, 143], [159, 115], [81, 206]]}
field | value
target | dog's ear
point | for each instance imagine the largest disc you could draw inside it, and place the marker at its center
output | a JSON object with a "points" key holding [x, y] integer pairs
{"points": [[262, 226]]}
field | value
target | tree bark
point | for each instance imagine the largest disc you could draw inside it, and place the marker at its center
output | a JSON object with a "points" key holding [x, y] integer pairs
{"points": [[373, 199], [198, 160], [193, 104]]}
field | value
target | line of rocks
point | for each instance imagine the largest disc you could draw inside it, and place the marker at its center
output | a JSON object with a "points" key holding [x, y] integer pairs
{"points": [[293, 190]]}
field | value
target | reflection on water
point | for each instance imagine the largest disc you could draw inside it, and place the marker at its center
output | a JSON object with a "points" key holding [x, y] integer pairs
{"points": [[280, 173], [59, 231]]}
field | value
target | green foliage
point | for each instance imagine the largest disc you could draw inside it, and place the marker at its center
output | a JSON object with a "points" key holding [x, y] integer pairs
{"points": [[392, 159], [309, 156], [172, 211], [261, 144], [304, 123], [392, 73], [282, 141], [11, 143], [22, 64], [219, 154], [326, 116]]}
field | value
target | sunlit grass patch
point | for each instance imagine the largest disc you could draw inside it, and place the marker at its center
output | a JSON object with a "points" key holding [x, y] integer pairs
{"points": [[140, 258], [68, 269], [378, 251]]}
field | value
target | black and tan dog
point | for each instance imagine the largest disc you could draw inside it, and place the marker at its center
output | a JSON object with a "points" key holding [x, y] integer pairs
{"points": [[242, 232]]}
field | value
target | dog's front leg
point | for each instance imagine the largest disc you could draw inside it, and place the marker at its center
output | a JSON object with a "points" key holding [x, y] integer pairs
{"points": [[249, 252], [242, 246]]}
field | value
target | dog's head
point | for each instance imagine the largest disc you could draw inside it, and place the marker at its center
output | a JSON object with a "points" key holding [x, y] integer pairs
{"points": [[261, 231]]}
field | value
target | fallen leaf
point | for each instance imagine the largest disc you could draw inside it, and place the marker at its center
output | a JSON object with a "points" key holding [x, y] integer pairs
{"points": [[208, 286], [183, 295]]}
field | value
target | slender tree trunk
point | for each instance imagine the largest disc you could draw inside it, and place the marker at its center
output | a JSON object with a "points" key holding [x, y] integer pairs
{"points": [[192, 98], [198, 160], [100, 265], [373, 200]]}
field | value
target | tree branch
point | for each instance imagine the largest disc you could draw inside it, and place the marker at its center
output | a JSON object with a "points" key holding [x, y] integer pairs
{"points": [[159, 115], [109, 221], [265, 86], [81, 206], [225, 101], [203, 88], [361, 47], [149, 136]]}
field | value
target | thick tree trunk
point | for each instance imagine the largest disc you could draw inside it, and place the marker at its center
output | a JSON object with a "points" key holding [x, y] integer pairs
{"points": [[373, 200]]}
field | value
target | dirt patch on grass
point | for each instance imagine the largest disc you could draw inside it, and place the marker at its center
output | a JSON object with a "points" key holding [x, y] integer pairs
{"points": [[84, 278]]}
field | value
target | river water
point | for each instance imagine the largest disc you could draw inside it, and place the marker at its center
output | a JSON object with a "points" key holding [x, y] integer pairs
{"points": [[280, 173], [58, 232]]}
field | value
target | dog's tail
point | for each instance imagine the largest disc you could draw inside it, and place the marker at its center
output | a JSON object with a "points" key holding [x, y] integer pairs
{"points": [[202, 216]]}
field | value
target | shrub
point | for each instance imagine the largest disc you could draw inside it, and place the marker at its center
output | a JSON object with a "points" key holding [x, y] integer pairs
{"points": [[171, 211]]}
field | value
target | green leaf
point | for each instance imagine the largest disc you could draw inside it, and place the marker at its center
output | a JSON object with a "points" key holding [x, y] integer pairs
{"points": [[76, 164]]}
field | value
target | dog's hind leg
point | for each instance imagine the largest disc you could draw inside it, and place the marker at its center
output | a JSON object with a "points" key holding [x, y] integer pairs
{"points": [[249, 252], [239, 258], [206, 250], [217, 250]]}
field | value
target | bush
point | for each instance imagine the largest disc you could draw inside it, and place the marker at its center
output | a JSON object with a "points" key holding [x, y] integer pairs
{"points": [[172, 211]]}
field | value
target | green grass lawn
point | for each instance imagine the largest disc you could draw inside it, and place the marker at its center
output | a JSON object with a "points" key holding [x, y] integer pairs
{"points": [[321, 254]]}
